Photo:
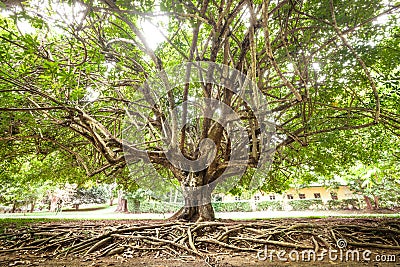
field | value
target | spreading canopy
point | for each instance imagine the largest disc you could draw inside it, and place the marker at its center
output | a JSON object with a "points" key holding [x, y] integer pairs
{"points": [[328, 71]]}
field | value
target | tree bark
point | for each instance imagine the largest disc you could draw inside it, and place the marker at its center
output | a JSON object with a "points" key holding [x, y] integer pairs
{"points": [[376, 202], [111, 189], [32, 206], [197, 205], [53, 202], [14, 207], [368, 202], [122, 203], [195, 214]]}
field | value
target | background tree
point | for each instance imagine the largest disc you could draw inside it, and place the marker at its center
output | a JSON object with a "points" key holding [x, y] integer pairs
{"points": [[28, 180], [376, 184]]}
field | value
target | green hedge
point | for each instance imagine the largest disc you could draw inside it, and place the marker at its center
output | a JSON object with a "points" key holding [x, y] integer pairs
{"points": [[307, 204], [231, 207], [269, 205], [344, 204], [152, 207], [393, 202], [165, 207]]}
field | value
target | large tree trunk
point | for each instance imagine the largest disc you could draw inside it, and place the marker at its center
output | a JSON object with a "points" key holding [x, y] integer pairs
{"points": [[197, 205], [195, 214]]}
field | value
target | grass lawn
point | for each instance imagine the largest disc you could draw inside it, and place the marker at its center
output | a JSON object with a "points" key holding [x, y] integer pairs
{"points": [[105, 212]]}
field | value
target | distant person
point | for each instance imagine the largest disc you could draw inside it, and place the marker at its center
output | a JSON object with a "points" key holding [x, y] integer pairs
{"points": [[59, 205]]}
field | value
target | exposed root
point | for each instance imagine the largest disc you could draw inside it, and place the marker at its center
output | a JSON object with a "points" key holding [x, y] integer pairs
{"points": [[200, 239], [203, 213]]}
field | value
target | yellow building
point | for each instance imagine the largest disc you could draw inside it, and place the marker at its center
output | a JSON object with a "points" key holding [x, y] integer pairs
{"points": [[311, 192], [320, 192]]}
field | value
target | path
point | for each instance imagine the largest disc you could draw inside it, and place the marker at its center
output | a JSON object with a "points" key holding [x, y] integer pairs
{"points": [[108, 213]]}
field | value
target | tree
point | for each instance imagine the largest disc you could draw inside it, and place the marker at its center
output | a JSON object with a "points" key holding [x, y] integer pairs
{"points": [[29, 179], [376, 183], [89, 195], [323, 68]]}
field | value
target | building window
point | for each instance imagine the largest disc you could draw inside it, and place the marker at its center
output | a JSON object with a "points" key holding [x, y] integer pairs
{"points": [[302, 196], [218, 198], [237, 198], [334, 196], [271, 197], [289, 196], [317, 195], [256, 198]]}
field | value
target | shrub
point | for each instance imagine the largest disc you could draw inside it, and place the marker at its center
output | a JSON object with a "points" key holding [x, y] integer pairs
{"points": [[151, 206], [269, 205], [351, 204], [343, 204], [95, 194], [307, 204], [231, 206]]}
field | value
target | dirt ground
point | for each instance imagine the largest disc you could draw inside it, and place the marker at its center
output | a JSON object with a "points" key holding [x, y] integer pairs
{"points": [[228, 261], [231, 259]]}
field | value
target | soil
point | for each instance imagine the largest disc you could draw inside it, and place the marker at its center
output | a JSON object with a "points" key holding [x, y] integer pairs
{"points": [[226, 258], [228, 261]]}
